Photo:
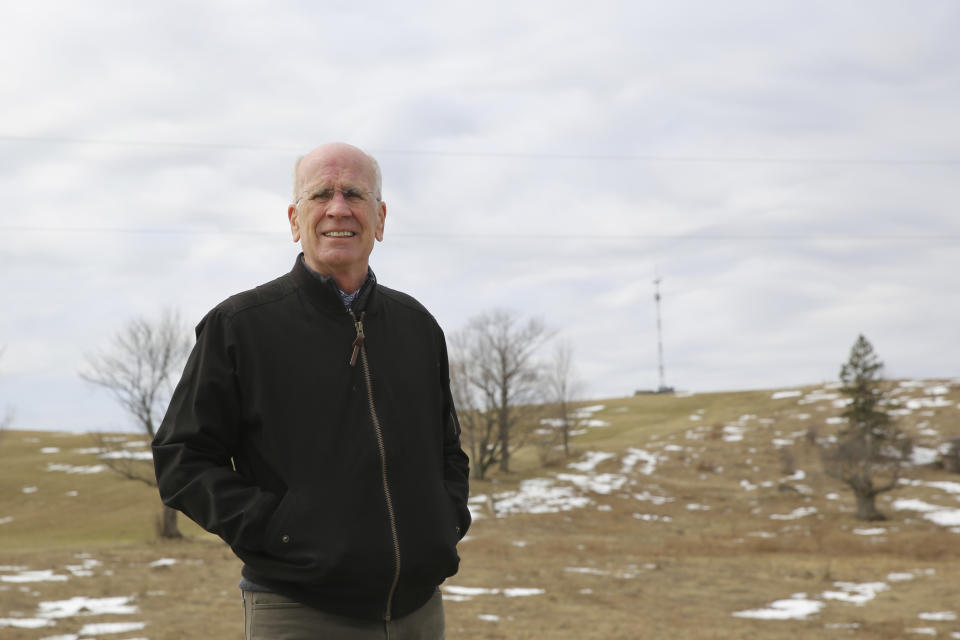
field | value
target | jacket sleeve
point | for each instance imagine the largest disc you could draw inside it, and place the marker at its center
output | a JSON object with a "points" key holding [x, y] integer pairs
{"points": [[195, 445], [456, 464]]}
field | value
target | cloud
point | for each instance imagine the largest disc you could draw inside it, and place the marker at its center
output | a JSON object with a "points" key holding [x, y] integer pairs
{"points": [[789, 170]]}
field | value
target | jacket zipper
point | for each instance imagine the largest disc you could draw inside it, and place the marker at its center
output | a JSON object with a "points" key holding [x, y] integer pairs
{"points": [[359, 348]]}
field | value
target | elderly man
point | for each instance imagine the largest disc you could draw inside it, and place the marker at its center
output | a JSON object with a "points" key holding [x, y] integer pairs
{"points": [[314, 431]]}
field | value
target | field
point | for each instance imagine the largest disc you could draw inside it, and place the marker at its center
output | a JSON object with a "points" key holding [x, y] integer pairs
{"points": [[697, 516]]}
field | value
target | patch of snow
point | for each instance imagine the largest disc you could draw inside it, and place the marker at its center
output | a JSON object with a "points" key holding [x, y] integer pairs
{"points": [[604, 483], [922, 631], [732, 433], [586, 412], [593, 424], [469, 591], [876, 531], [106, 628], [793, 393], [46, 575], [539, 495], [25, 623], [923, 455], [163, 562], [945, 517], [652, 517], [70, 468], [799, 512], [83, 606], [127, 455], [587, 570], [842, 625], [29, 489], [944, 485], [912, 504], [934, 402], [520, 592], [900, 577], [938, 616], [836, 420], [855, 593], [646, 496], [50, 450], [6, 520], [797, 607], [488, 617], [556, 423], [83, 570], [593, 458], [818, 396], [635, 456]]}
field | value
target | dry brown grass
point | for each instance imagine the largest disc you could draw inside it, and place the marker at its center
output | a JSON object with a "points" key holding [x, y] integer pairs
{"points": [[622, 567]]}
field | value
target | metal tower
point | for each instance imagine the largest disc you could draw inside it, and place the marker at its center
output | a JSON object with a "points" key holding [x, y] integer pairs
{"points": [[663, 388]]}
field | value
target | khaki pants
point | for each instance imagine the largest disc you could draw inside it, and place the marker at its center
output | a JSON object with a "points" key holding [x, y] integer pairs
{"points": [[270, 616]]}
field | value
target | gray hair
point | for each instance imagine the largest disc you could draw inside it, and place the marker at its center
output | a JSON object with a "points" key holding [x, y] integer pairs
{"points": [[377, 176]]}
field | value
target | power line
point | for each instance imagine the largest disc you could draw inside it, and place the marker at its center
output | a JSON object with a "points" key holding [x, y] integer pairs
{"points": [[622, 157], [497, 236]]}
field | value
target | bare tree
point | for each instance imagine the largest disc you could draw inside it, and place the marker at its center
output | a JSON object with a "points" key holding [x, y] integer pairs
{"points": [[140, 368], [495, 376], [869, 454], [562, 388]]}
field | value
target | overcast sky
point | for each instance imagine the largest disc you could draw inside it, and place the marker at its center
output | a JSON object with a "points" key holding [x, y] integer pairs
{"points": [[790, 169]]}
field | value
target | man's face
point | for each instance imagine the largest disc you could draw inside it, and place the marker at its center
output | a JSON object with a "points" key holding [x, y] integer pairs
{"points": [[337, 217]]}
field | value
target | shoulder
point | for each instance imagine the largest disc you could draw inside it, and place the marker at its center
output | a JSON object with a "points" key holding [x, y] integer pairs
{"points": [[404, 301], [262, 298], [408, 307]]}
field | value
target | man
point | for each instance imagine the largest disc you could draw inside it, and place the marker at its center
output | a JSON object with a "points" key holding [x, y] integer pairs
{"points": [[313, 430]]}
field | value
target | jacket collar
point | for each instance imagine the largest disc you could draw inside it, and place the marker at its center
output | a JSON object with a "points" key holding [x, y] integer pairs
{"points": [[323, 289]]}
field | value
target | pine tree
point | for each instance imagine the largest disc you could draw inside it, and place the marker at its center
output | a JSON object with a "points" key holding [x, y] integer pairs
{"points": [[870, 450]]}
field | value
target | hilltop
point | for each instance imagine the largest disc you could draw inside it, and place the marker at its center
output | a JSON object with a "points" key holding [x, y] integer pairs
{"points": [[688, 515]]}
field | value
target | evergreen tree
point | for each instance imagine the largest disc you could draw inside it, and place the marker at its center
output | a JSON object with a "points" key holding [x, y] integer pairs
{"points": [[870, 450]]}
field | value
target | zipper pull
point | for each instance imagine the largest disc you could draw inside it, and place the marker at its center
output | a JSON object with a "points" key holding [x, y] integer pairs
{"points": [[358, 341]]}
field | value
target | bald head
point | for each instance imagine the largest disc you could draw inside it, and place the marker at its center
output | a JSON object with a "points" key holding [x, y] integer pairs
{"points": [[325, 151]]}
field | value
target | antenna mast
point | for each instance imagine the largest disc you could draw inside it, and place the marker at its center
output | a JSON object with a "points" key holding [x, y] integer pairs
{"points": [[663, 388]]}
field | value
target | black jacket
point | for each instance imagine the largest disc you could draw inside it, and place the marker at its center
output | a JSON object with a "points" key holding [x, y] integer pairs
{"points": [[330, 463]]}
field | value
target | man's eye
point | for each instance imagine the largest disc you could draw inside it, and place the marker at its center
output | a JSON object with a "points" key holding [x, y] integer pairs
{"points": [[323, 196], [353, 195]]}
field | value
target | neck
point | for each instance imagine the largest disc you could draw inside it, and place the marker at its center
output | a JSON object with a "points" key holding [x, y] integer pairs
{"points": [[348, 280]]}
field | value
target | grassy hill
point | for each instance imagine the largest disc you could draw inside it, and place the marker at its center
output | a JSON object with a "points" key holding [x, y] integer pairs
{"points": [[687, 516]]}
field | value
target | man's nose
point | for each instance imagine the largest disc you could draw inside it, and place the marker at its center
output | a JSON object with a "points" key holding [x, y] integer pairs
{"points": [[338, 205]]}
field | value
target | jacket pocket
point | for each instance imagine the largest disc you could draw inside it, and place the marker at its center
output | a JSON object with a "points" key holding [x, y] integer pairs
{"points": [[296, 535]]}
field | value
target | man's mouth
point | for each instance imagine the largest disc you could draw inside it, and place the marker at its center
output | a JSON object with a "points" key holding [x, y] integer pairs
{"points": [[338, 234]]}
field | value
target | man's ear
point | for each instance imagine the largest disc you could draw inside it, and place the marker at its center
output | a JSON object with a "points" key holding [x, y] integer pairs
{"points": [[381, 217], [294, 222]]}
